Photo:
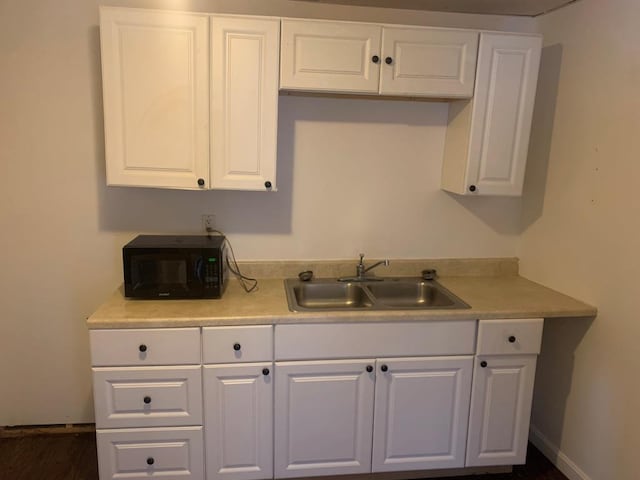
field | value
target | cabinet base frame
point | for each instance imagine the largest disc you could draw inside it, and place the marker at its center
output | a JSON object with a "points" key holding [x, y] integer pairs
{"points": [[404, 475]]}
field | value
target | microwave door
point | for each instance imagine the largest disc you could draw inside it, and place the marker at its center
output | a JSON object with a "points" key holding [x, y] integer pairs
{"points": [[154, 276], [171, 277], [198, 277], [143, 273]]}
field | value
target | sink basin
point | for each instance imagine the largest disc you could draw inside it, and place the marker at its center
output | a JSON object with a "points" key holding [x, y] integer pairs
{"points": [[332, 296], [411, 294], [405, 293]]}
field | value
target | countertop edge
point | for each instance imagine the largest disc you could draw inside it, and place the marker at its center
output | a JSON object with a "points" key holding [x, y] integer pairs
{"points": [[502, 297], [337, 317]]}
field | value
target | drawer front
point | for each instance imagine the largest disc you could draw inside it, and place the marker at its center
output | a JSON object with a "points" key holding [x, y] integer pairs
{"points": [[509, 337], [167, 453], [237, 344], [358, 340], [148, 346], [147, 396]]}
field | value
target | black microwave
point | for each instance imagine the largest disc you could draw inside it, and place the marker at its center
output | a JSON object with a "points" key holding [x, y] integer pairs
{"points": [[178, 266]]}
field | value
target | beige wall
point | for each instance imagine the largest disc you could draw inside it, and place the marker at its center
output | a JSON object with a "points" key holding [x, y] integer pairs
{"points": [[354, 176], [582, 233]]}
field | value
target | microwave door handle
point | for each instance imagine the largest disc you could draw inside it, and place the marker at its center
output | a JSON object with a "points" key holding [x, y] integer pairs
{"points": [[198, 272]]}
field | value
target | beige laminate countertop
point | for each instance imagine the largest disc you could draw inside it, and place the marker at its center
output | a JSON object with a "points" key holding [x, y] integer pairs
{"points": [[489, 297]]}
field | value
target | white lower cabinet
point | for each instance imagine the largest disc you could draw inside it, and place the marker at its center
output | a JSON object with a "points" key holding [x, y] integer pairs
{"points": [[147, 396], [500, 410], [313, 399], [421, 409], [323, 417], [147, 386], [326, 422], [167, 453], [238, 404], [503, 377], [238, 401]]}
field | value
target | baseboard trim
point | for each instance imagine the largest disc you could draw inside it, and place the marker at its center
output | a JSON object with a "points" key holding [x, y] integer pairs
{"points": [[34, 430], [555, 456]]}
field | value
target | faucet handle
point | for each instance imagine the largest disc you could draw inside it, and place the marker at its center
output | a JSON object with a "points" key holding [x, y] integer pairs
{"points": [[361, 257]]}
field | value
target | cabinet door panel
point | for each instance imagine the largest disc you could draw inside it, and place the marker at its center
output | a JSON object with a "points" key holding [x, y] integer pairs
{"points": [[238, 402], [503, 107], [329, 56], [244, 95], [500, 410], [428, 62], [155, 72], [323, 418], [421, 409]]}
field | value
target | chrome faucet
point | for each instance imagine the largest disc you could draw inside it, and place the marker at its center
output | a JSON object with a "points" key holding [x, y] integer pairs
{"points": [[361, 270]]}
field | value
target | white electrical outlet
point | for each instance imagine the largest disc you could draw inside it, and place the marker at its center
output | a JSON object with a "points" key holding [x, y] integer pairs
{"points": [[208, 222]]}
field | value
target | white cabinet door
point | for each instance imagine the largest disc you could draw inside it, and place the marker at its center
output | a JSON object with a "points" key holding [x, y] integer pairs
{"points": [[323, 418], [506, 86], [244, 108], [238, 404], [500, 410], [488, 138], [428, 62], [155, 76], [421, 413], [167, 453], [330, 56], [349, 57]]}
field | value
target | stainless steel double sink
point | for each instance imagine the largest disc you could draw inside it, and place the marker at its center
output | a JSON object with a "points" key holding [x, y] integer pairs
{"points": [[391, 293]]}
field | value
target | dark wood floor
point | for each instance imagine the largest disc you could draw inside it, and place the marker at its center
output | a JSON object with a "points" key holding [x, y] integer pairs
{"points": [[49, 457], [73, 457]]}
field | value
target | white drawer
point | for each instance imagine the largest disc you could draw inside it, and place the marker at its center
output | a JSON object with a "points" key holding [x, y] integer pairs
{"points": [[146, 346], [237, 344], [147, 396], [361, 340], [168, 453], [508, 337]]}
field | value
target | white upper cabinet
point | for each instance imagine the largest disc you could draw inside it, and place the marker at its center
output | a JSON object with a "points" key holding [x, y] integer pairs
{"points": [[488, 137], [155, 79], [428, 62], [189, 105], [330, 56], [361, 58], [191, 100], [244, 102]]}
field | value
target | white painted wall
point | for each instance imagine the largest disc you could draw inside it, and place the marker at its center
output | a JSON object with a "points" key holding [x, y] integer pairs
{"points": [[353, 176], [582, 233]]}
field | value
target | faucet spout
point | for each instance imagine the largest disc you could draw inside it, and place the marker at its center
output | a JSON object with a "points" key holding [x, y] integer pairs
{"points": [[377, 264], [361, 270]]}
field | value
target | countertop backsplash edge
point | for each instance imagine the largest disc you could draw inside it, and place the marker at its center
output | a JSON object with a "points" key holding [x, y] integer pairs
{"points": [[447, 267]]}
